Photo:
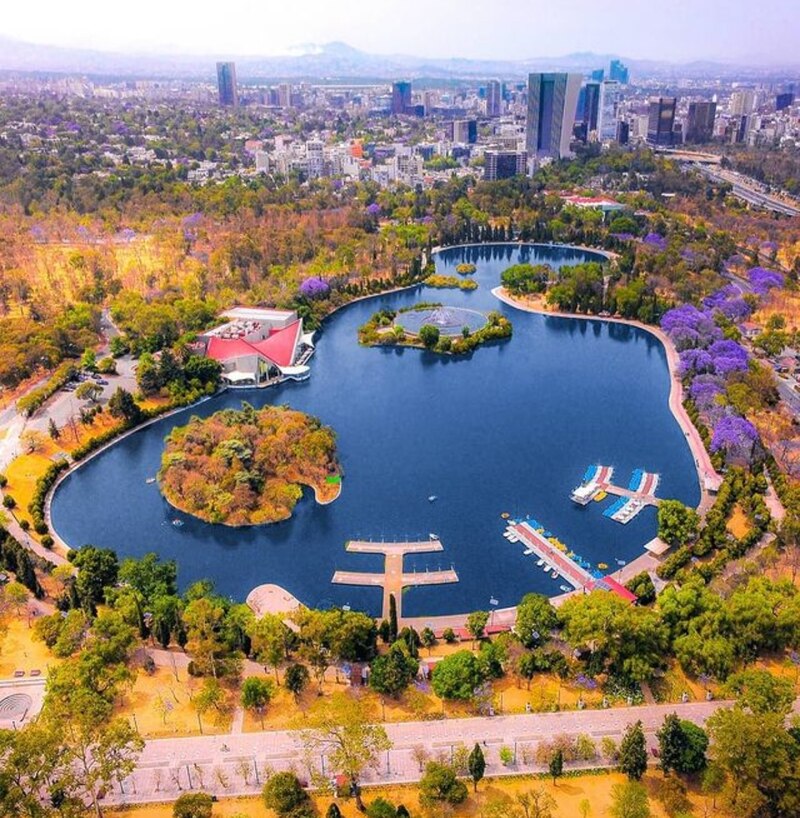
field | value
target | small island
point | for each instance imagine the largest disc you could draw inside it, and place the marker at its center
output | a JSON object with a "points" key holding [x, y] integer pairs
{"points": [[447, 330], [466, 268], [248, 466], [443, 282]]}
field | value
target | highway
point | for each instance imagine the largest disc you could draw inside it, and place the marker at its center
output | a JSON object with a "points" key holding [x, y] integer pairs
{"points": [[747, 189]]}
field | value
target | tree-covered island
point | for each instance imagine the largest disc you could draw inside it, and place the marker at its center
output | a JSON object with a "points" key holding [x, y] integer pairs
{"points": [[246, 467], [447, 330]]}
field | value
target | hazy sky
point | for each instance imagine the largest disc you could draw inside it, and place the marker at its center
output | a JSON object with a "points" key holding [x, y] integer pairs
{"points": [[674, 29]]}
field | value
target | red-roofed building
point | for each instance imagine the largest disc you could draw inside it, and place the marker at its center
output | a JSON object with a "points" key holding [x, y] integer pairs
{"points": [[259, 346]]}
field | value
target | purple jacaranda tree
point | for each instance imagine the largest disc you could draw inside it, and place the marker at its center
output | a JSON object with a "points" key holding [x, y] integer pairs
{"points": [[763, 280], [734, 435], [706, 390], [314, 287], [655, 240], [374, 210], [688, 324], [694, 361], [728, 356]]}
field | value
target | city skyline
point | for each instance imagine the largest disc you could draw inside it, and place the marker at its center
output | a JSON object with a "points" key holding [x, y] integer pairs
{"points": [[718, 30]]}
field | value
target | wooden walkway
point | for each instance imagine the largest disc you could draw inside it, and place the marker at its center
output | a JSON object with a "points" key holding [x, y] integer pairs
{"points": [[648, 499], [394, 579]]}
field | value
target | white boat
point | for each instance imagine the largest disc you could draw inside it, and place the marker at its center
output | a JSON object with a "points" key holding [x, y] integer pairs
{"points": [[565, 588], [176, 522], [529, 551], [540, 563], [554, 575], [513, 538], [150, 480], [493, 601], [433, 536], [432, 498], [546, 568]]}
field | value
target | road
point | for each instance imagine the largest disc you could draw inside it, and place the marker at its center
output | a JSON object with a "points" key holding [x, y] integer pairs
{"points": [[748, 190], [168, 766]]}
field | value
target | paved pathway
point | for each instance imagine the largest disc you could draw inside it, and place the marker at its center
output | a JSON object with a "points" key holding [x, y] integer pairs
{"points": [[168, 766]]}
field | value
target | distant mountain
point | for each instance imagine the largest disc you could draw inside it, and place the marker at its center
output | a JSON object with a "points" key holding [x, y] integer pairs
{"points": [[339, 61]]}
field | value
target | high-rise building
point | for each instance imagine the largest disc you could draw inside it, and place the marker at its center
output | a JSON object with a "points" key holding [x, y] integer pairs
{"points": [[462, 131], [607, 118], [552, 101], [504, 164], [744, 101], [591, 105], [226, 82], [700, 122], [618, 72], [598, 75], [494, 98], [783, 100], [401, 97], [285, 95], [661, 120]]}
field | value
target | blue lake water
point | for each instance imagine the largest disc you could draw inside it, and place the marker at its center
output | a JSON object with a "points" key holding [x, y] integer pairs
{"points": [[510, 429]]}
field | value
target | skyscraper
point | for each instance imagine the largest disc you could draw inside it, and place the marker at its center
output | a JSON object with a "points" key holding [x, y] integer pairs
{"points": [[607, 117], [783, 100], [504, 164], [618, 72], [494, 98], [226, 82], [552, 100], [744, 101], [591, 105], [401, 97], [700, 122], [661, 120]]}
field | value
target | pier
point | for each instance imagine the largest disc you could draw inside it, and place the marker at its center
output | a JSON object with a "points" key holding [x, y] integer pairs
{"points": [[577, 576], [596, 484], [394, 578]]}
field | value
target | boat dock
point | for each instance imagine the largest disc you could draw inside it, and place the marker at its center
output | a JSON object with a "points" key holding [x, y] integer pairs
{"points": [[640, 492], [394, 579], [536, 541]]}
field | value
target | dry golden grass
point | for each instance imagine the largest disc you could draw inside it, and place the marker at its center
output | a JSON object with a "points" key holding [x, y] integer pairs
{"points": [[568, 795], [163, 706], [19, 650], [738, 524]]}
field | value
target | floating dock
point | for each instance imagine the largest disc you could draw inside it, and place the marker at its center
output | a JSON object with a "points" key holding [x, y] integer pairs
{"points": [[575, 574], [394, 579], [639, 494]]}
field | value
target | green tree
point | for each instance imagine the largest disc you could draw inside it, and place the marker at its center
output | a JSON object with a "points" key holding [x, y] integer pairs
{"points": [[257, 694], [333, 811], [296, 679], [342, 729], [629, 800], [381, 808], [761, 691], [633, 752], [122, 405], [429, 335], [476, 764], [393, 629], [53, 430], [89, 390], [98, 569], [392, 672], [439, 785], [203, 619], [270, 639], [457, 676], [476, 624], [556, 765], [285, 794], [428, 638], [536, 618], [677, 523], [193, 805]]}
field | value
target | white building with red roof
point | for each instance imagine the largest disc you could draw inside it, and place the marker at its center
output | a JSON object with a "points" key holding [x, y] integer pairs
{"points": [[256, 347]]}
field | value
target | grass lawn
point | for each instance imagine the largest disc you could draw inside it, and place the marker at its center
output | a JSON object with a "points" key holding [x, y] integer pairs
{"points": [[671, 686], [568, 794]]}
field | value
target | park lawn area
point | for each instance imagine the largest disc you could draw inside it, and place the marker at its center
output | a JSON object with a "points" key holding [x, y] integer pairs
{"points": [[568, 795], [780, 665], [547, 692], [674, 682], [163, 706], [24, 471], [20, 651], [738, 523]]}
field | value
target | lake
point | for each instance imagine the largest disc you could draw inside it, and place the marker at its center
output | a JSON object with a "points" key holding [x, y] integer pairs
{"points": [[510, 428]]}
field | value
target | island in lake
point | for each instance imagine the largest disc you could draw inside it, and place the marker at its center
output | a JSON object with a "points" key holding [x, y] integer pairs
{"points": [[248, 466], [449, 330]]}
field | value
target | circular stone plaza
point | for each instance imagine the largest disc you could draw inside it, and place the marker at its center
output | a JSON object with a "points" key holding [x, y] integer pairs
{"points": [[448, 320]]}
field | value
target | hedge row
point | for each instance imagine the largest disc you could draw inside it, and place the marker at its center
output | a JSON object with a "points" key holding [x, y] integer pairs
{"points": [[29, 403], [43, 485]]}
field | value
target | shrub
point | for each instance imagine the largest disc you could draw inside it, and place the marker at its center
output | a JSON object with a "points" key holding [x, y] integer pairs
{"points": [[381, 808], [506, 756], [3, 481], [24, 524], [9, 502], [47, 541], [285, 794], [193, 805]]}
